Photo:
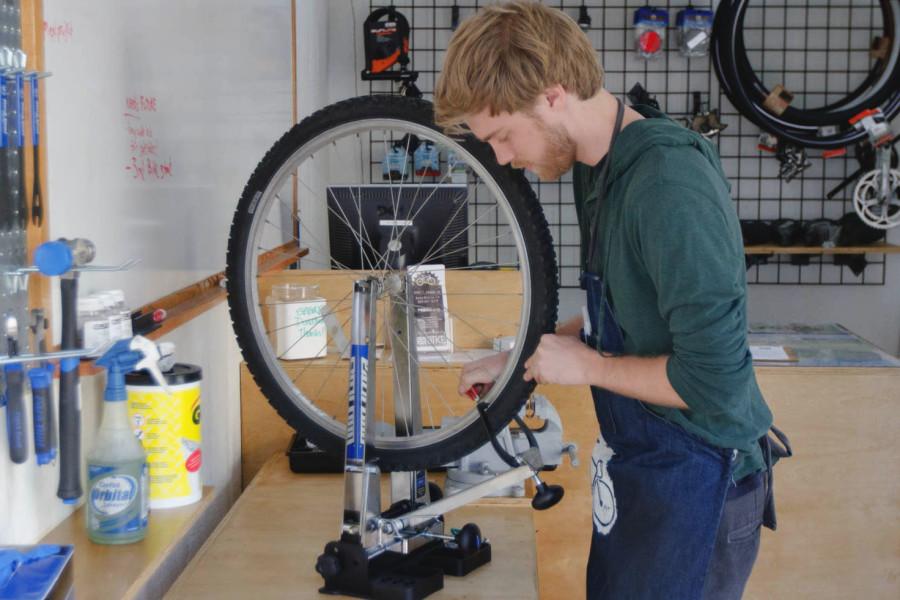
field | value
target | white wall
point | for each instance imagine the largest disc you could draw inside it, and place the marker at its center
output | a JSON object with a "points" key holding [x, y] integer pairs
{"points": [[221, 73]]}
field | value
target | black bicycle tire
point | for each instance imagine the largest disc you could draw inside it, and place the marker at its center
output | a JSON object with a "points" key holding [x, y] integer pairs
{"points": [[843, 110], [727, 35], [538, 243], [830, 113], [736, 91]]}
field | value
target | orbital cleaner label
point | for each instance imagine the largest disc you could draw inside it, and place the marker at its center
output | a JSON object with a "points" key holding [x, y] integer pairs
{"points": [[111, 495], [117, 498]]}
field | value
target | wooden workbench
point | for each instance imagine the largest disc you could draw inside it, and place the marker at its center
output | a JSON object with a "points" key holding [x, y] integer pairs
{"points": [[838, 497], [266, 547]]}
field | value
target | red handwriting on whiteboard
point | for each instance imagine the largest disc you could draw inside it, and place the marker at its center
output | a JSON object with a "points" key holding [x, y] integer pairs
{"points": [[148, 168], [136, 104], [58, 33], [144, 164]]}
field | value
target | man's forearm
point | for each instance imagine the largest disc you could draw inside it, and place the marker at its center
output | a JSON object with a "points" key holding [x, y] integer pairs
{"points": [[643, 378]]}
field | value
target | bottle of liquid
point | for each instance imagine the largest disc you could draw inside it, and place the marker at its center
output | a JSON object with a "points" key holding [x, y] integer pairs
{"points": [[113, 315], [124, 312], [117, 502]]}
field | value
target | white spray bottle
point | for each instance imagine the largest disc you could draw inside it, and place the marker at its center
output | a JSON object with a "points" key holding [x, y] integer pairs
{"points": [[117, 502]]}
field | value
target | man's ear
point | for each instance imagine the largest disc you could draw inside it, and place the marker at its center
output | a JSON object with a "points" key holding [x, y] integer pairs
{"points": [[555, 96]]}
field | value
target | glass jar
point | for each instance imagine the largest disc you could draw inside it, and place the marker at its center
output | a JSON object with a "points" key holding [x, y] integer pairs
{"points": [[297, 321]]}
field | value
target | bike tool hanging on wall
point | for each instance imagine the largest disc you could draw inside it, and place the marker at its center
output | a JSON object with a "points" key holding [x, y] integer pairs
{"points": [[65, 259], [403, 552], [386, 37]]}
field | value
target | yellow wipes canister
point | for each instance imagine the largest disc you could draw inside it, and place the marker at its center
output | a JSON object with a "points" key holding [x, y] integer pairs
{"points": [[169, 429]]}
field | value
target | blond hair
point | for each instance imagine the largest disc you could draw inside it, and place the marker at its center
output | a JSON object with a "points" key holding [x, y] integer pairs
{"points": [[506, 55]]}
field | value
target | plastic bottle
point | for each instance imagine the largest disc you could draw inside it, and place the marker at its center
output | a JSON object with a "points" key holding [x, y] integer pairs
{"points": [[93, 325], [118, 490], [113, 315], [124, 312]]}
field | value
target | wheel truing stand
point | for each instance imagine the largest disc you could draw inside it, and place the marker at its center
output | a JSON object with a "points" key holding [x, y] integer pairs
{"points": [[402, 553]]}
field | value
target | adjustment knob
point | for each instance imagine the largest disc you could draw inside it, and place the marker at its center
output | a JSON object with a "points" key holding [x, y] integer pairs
{"points": [[546, 496], [468, 539], [328, 565]]}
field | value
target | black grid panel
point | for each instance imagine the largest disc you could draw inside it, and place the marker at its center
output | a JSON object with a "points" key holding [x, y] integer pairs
{"points": [[818, 49]]}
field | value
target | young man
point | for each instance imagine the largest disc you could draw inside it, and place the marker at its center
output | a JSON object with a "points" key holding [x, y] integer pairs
{"points": [[678, 484]]}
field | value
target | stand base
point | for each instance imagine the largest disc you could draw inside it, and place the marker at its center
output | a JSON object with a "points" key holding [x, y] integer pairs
{"points": [[391, 575], [306, 458]]}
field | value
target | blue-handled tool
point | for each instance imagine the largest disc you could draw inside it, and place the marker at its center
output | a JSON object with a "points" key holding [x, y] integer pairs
{"points": [[20, 61], [6, 64], [16, 426], [59, 258], [41, 379], [37, 200]]}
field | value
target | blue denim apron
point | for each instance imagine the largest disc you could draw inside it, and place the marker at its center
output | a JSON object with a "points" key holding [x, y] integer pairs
{"points": [[658, 491]]}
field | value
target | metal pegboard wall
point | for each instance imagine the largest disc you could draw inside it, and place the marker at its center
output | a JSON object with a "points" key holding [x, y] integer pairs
{"points": [[817, 49], [13, 213]]}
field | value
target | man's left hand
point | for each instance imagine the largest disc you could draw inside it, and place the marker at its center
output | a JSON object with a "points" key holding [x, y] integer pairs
{"points": [[562, 360]]}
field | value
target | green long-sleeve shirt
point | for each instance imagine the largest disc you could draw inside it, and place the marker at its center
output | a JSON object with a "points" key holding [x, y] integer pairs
{"points": [[670, 250]]}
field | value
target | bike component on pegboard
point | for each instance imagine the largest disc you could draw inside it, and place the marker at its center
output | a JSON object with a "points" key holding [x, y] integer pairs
{"points": [[694, 27], [650, 31], [792, 158], [704, 120], [386, 35], [876, 197]]}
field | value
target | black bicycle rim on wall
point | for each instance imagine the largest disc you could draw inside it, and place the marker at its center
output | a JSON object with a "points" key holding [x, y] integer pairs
{"points": [[880, 89]]}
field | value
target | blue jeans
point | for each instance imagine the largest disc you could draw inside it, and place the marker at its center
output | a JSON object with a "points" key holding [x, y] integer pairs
{"points": [[737, 540]]}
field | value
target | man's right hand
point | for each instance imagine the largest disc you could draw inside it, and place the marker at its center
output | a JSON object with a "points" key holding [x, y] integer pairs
{"points": [[484, 371]]}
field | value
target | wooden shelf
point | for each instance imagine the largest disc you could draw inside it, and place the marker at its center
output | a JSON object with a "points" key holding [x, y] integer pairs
{"points": [[881, 248], [144, 569]]}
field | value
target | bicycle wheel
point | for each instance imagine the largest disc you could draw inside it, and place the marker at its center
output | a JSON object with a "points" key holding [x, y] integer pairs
{"points": [[335, 201]]}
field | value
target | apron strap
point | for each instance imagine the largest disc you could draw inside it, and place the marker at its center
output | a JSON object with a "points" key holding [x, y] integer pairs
{"points": [[770, 448], [601, 183]]}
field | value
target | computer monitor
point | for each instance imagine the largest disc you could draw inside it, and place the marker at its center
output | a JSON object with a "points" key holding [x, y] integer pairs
{"points": [[428, 219]]}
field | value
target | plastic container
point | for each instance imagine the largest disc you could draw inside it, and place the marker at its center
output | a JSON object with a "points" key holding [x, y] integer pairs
{"points": [[117, 503], [93, 324], [124, 312], [297, 325], [113, 315], [650, 31], [426, 160], [694, 31], [169, 429], [457, 168], [396, 165], [117, 508]]}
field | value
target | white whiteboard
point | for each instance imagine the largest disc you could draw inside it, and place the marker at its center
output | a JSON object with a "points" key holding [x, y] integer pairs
{"points": [[157, 113]]}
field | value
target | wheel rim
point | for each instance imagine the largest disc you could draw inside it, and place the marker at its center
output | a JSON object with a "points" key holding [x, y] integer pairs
{"points": [[271, 196]]}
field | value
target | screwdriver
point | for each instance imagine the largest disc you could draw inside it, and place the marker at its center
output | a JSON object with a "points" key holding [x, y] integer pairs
{"points": [[15, 401], [41, 378]]}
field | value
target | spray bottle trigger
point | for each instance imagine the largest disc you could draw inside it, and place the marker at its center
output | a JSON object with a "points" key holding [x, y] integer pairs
{"points": [[150, 362]]}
